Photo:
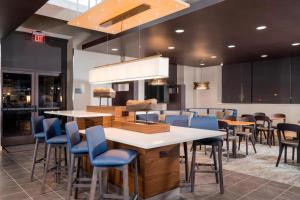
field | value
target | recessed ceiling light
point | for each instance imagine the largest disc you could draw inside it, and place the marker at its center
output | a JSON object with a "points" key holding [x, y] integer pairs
{"points": [[179, 31], [213, 57], [231, 46], [296, 44], [202, 64], [114, 49], [171, 48], [264, 56], [261, 28]]}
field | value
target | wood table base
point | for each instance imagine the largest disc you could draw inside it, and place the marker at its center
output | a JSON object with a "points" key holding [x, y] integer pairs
{"points": [[159, 170]]}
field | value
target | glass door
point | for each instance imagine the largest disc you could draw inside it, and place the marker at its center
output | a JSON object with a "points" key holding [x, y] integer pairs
{"points": [[25, 95], [49, 93], [17, 108]]}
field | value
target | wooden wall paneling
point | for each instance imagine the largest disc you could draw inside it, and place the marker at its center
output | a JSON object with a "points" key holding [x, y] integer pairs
{"points": [[295, 79]]}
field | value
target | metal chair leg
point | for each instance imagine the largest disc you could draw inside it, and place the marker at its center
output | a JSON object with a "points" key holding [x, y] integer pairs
{"points": [[220, 168], [94, 183], [46, 168], [215, 163], [186, 161], [136, 177], [77, 175], [34, 158], [125, 183], [70, 178]]}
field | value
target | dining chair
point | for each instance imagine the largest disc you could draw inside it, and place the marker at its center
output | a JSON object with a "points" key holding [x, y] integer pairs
{"points": [[284, 142], [103, 159], [247, 135], [229, 117], [264, 127], [278, 118], [209, 123], [183, 121], [54, 139], [77, 149], [259, 114], [38, 134], [223, 126]]}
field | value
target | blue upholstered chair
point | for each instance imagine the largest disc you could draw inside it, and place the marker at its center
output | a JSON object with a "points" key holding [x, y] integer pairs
{"points": [[77, 149], [54, 139], [152, 117], [183, 121], [38, 134], [101, 158], [209, 123]]}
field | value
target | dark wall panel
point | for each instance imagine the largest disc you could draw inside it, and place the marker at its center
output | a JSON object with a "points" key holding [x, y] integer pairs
{"points": [[18, 51], [295, 79], [236, 83], [271, 81]]}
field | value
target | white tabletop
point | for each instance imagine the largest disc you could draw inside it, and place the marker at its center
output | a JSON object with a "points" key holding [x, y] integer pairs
{"points": [[176, 135], [77, 113]]}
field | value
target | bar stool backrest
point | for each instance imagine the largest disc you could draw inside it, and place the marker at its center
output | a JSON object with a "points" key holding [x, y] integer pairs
{"points": [[178, 120], [246, 115], [96, 141], [37, 125], [51, 127], [209, 123], [282, 127], [73, 136], [230, 117]]}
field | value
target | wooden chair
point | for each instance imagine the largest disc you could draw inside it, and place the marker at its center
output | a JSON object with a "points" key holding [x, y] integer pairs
{"points": [[247, 135], [223, 126], [281, 117], [259, 114], [285, 143], [264, 127]]}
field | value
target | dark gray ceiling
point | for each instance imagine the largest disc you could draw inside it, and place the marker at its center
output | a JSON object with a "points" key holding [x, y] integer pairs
{"points": [[14, 12], [209, 30]]}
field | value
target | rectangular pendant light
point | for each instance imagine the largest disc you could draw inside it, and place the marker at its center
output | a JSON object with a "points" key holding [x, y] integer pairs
{"points": [[139, 69], [115, 16]]}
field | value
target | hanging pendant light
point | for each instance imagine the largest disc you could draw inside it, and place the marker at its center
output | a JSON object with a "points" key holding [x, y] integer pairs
{"points": [[153, 67], [201, 85]]}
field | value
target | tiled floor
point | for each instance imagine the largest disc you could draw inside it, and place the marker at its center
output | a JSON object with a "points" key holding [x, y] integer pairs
{"points": [[240, 182]]}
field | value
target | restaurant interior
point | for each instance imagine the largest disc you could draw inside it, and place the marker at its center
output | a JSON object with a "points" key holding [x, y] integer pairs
{"points": [[150, 99]]}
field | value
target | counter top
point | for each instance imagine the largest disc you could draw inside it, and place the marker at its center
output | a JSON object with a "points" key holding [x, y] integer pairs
{"points": [[176, 135], [77, 113]]}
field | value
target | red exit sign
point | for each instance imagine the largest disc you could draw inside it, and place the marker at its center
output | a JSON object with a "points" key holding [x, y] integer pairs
{"points": [[38, 37]]}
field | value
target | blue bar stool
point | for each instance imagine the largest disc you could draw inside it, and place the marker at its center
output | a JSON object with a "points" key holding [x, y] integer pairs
{"points": [[77, 149], [183, 121], [39, 136], [209, 123], [54, 139], [102, 159]]}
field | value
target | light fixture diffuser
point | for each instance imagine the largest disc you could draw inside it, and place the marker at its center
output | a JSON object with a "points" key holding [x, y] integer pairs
{"points": [[154, 67], [115, 16]]}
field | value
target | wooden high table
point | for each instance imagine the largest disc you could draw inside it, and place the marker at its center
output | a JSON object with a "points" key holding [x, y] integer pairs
{"points": [[159, 166]]}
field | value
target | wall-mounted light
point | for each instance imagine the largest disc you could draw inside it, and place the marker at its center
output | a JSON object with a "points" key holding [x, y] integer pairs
{"points": [[158, 82], [201, 85]]}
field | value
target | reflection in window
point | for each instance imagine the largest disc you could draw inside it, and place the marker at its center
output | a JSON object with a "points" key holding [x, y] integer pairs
{"points": [[16, 90], [50, 92]]}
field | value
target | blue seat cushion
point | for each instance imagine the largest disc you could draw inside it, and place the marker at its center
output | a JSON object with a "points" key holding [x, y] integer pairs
{"points": [[39, 135], [61, 139], [114, 157], [209, 141], [80, 148]]}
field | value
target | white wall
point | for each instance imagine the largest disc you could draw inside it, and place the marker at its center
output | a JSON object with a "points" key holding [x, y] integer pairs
{"points": [[213, 96], [83, 61]]}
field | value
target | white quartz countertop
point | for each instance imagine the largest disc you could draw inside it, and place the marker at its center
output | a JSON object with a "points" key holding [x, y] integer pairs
{"points": [[176, 135], [77, 113]]}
